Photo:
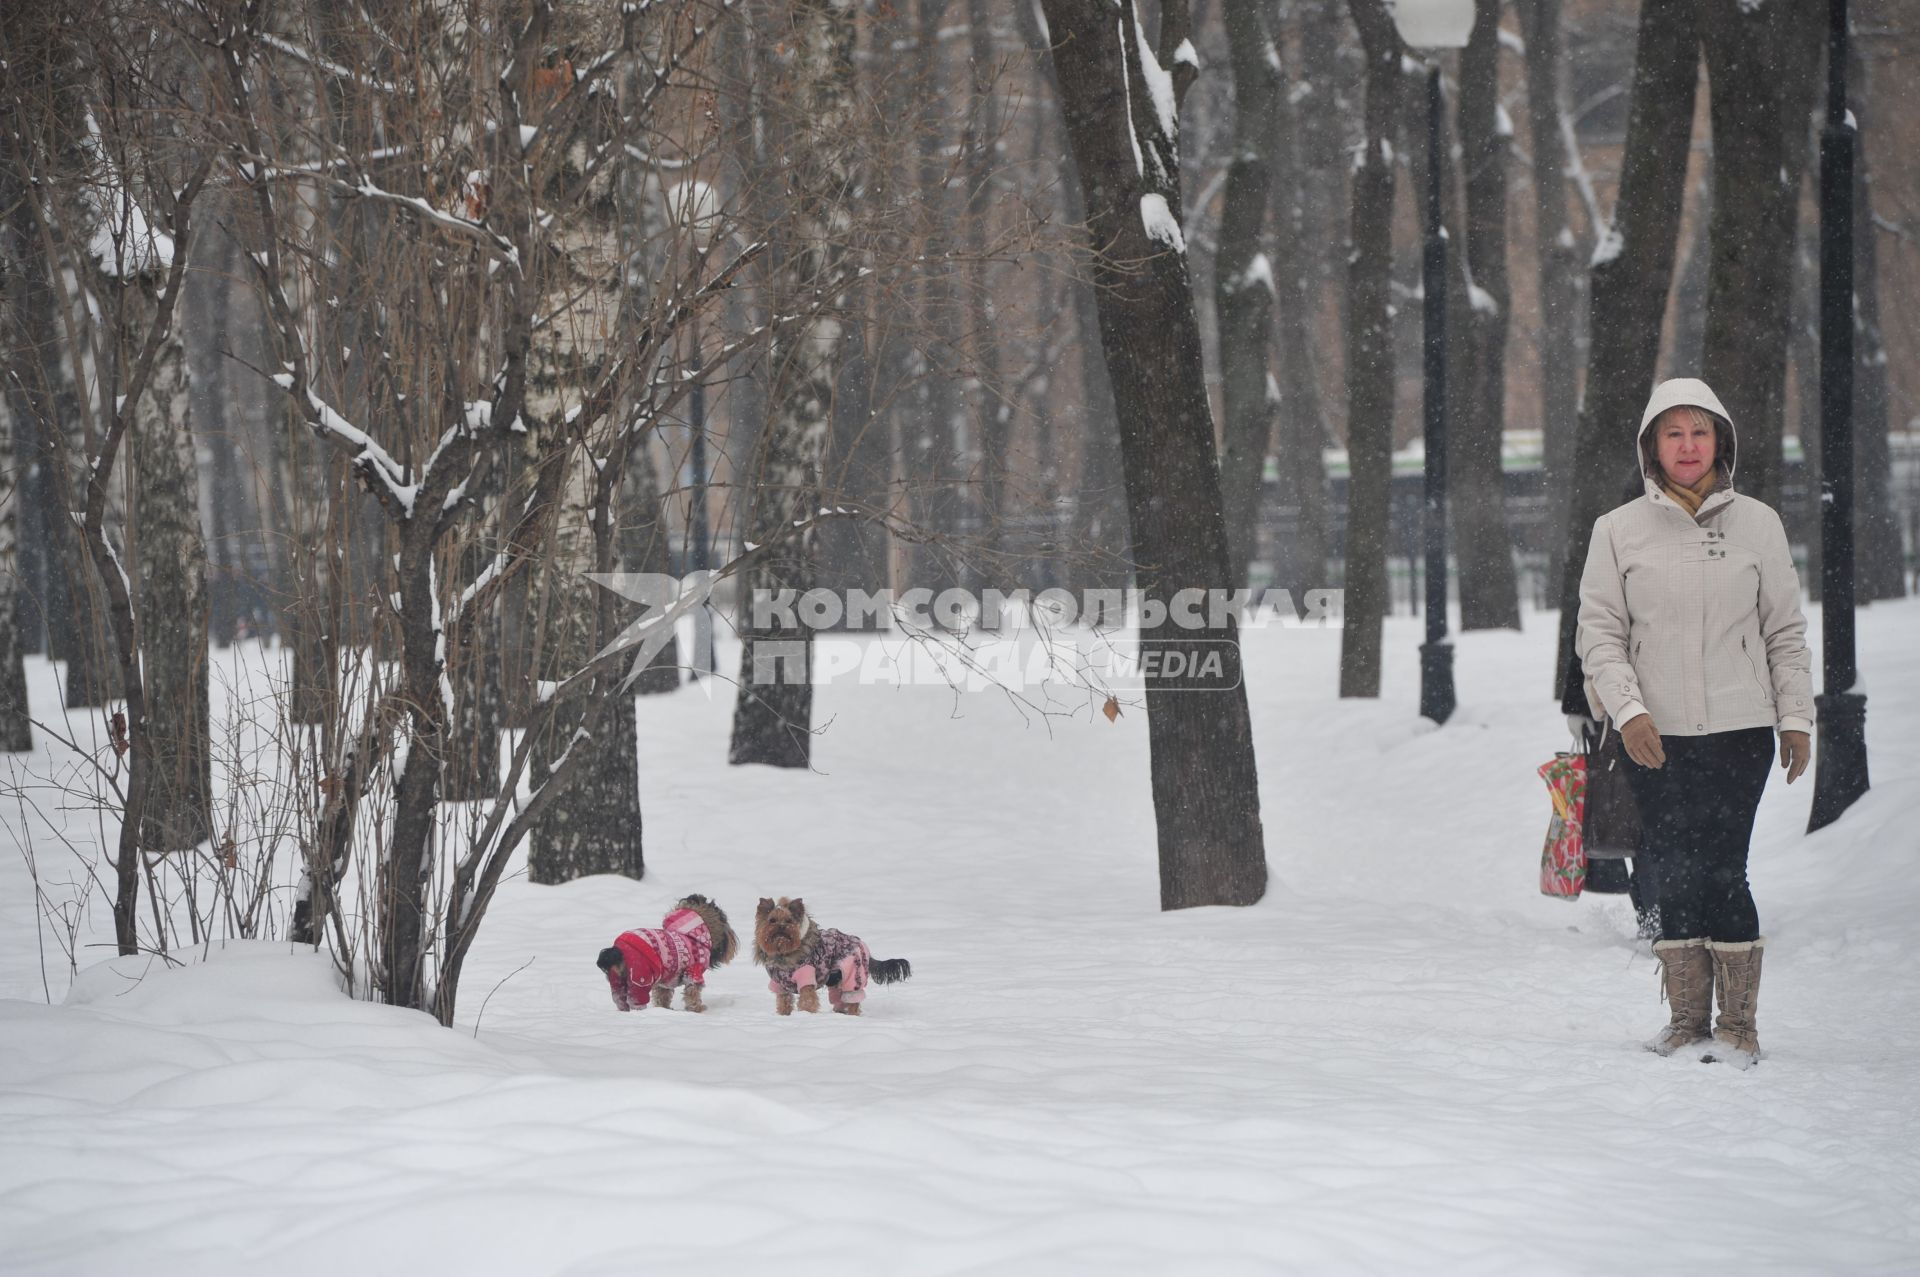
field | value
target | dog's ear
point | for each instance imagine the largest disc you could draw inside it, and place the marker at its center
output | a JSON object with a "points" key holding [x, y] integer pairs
{"points": [[797, 907], [766, 907]]}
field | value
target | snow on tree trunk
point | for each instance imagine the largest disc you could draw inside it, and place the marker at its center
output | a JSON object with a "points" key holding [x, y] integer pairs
{"points": [[1489, 588], [1120, 100], [1370, 372], [773, 712], [171, 559], [1243, 291], [1632, 273]]}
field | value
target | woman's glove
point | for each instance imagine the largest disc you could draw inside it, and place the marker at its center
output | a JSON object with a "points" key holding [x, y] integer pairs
{"points": [[1796, 751], [1642, 740]]}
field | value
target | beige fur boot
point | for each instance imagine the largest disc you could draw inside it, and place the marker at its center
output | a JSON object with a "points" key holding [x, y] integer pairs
{"points": [[1736, 970], [1687, 980]]}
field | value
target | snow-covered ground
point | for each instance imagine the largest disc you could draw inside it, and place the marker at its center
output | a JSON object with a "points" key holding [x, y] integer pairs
{"points": [[1404, 1059]]}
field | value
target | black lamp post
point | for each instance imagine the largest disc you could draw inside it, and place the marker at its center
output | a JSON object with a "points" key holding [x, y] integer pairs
{"points": [[1840, 768], [1435, 24]]}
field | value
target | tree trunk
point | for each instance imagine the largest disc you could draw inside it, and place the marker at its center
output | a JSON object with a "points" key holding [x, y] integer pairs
{"points": [[1758, 68], [171, 560], [1099, 538], [644, 548], [993, 409], [210, 377], [1690, 288], [1243, 295], [1309, 163], [1559, 261], [772, 721], [1370, 371], [1489, 587], [1879, 557], [597, 829], [16, 726], [474, 671], [933, 463], [18, 425], [1632, 272], [1119, 101]]}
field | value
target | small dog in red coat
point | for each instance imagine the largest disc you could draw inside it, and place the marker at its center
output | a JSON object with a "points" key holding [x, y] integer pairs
{"points": [[801, 958], [645, 965]]}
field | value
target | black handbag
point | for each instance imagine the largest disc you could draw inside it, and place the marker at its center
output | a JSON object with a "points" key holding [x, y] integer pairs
{"points": [[1612, 828]]}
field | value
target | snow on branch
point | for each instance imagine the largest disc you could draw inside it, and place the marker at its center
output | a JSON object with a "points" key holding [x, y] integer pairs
{"points": [[496, 244], [125, 241], [385, 475]]}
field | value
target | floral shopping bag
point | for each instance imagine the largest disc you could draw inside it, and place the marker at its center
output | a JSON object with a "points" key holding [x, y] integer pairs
{"points": [[1563, 862]]}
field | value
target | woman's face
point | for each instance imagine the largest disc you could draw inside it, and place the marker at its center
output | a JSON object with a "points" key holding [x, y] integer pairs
{"points": [[1685, 443]]}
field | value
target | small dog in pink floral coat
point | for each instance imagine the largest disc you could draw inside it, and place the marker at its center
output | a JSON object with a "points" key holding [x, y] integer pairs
{"points": [[802, 958], [645, 965]]}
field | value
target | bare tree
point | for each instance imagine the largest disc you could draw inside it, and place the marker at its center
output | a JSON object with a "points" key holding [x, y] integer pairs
{"points": [[1555, 244], [114, 202], [1308, 153], [515, 386], [1879, 553], [16, 723], [1761, 61], [17, 427], [1632, 272], [1370, 376], [1489, 587], [1120, 98], [1244, 292], [773, 714]]}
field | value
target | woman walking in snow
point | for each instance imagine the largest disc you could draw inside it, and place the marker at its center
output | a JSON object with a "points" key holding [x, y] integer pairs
{"points": [[1694, 645]]}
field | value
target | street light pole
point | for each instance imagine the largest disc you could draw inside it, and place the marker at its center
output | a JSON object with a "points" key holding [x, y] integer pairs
{"points": [[1840, 769], [1436, 654]]}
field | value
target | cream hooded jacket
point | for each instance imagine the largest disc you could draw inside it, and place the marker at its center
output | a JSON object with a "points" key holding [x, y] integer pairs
{"points": [[1694, 619]]}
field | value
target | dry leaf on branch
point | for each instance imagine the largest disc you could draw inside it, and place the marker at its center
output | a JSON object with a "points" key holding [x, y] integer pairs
{"points": [[1111, 709]]}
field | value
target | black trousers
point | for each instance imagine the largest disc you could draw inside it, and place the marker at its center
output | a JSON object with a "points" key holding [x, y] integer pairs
{"points": [[1698, 814]]}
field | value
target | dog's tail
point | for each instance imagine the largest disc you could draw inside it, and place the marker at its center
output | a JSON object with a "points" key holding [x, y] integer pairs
{"points": [[889, 970]]}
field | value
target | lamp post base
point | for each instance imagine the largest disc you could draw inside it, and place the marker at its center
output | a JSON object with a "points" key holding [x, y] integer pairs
{"points": [[1436, 681], [1840, 756]]}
